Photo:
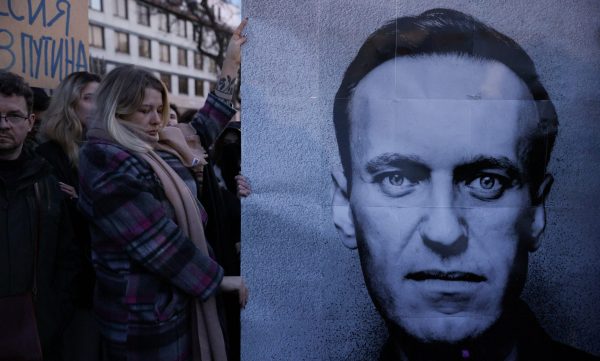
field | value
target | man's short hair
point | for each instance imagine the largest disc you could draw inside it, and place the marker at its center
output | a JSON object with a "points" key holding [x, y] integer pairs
{"points": [[445, 32], [12, 84]]}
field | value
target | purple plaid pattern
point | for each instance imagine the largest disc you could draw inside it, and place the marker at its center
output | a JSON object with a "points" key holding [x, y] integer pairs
{"points": [[211, 119], [147, 270], [143, 344], [186, 175]]}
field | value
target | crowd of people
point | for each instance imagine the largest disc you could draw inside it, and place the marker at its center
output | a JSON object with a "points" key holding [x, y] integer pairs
{"points": [[122, 217]]}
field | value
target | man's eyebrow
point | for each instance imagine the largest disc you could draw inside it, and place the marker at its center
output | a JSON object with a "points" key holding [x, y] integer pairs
{"points": [[16, 112], [486, 162], [395, 160]]}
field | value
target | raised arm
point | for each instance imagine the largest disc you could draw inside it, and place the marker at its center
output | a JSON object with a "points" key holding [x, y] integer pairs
{"points": [[231, 64], [212, 118]]}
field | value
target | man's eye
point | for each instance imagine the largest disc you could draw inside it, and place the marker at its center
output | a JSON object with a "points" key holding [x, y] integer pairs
{"points": [[395, 184], [396, 180], [488, 186]]}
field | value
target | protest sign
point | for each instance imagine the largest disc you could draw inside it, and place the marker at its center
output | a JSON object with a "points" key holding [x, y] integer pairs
{"points": [[43, 40]]}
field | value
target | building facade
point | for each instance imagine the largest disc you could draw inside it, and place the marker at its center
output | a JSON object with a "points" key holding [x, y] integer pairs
{"points": [[158, 35]]}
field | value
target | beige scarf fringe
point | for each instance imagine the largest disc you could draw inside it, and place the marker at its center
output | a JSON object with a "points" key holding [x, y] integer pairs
{"points": [[210, 345]]}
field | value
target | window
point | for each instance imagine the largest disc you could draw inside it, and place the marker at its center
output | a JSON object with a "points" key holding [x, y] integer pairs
{"points": [[199, 87], [180, 26], [197, 33], [183, 84], [121, 8], [145, 48], [165, 52], [143, 14], [198, 63], [122, 45], [212, 65], [96, 36], [182, 56], [95, 5], [166, 78], [163, 22]]}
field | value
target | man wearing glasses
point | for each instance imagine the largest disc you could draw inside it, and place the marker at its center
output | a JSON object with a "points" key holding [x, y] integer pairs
{"points": [[18, 122], [33, 223]]}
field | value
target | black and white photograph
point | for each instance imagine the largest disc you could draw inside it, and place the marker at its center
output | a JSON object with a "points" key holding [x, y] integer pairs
{"points": [[322, 180], [424, 176]]}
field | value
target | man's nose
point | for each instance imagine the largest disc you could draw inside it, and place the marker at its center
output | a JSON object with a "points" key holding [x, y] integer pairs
{"points": [[444, 230], [4, 123]]}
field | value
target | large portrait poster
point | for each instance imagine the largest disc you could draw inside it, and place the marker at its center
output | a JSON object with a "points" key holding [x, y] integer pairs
{"points": [[425, 177]]}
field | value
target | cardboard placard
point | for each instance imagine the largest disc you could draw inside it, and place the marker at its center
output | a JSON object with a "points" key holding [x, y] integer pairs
{"points": [[43, 40]]}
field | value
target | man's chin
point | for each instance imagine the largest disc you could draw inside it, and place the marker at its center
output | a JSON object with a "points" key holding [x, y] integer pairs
{"points": [[446, 329]]}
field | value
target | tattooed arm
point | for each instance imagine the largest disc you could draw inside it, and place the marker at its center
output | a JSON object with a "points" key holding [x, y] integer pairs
{"points": [[231, 64], [226, 86], [217, 111]]}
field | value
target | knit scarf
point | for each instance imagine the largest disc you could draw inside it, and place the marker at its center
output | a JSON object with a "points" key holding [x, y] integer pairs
{"points": [[182, 141], [208, 342]]}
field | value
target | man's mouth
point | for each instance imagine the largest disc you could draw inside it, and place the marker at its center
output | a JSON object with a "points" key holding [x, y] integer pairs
{"points": [[453, 276]]}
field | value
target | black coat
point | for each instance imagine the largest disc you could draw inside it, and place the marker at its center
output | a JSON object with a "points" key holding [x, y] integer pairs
{"points": [[65, 172], [57, 255]]}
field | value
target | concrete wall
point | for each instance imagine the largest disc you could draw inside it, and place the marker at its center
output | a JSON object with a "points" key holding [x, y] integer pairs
{"points": [[308, 300]]}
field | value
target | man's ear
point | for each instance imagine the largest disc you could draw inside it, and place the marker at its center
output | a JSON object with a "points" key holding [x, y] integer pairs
{"points": [[31, 121], [538, 222], [342, 215]]}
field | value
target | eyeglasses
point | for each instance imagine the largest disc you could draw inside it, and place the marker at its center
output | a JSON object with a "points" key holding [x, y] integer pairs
{"points": [[13, 118]]}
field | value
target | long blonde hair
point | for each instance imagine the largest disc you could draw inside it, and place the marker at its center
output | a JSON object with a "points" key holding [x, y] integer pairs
{"points": [[121, 94], [61, 123]]}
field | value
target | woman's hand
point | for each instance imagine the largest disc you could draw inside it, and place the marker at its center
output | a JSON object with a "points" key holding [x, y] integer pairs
{"points": [[236, 283], [68, 190], [198, 172], [231, 64], [234, 48], [243, 187]]}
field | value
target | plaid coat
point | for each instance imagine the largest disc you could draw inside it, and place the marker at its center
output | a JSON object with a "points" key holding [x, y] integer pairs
{"points": [[147, 270]]}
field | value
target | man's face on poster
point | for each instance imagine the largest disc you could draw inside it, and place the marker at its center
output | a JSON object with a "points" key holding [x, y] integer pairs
{"points": [[439, 207]]}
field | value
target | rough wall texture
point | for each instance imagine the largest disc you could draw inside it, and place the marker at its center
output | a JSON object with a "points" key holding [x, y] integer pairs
{"points": [[308, 300]]}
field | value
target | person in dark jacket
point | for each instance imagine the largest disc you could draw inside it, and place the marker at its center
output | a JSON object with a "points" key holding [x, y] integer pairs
{"points": [[227, 155], [226, 169], [41, 101], [20, 224], [62, 132]]}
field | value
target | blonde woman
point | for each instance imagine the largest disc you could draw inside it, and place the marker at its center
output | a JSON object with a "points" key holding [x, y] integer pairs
{"points": [[62, 131], [156, 279], [70, 110]]}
